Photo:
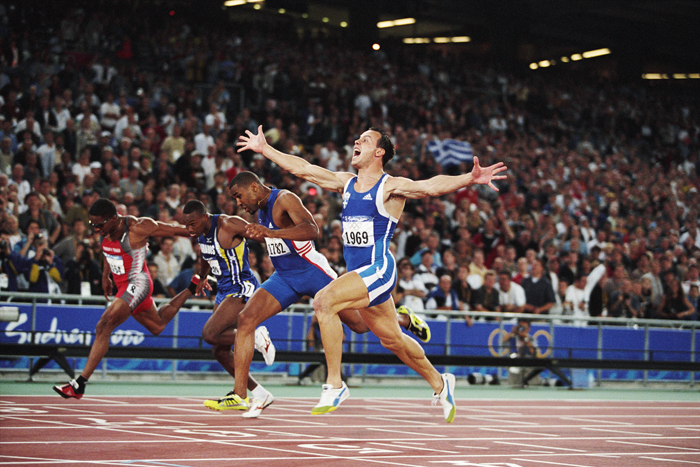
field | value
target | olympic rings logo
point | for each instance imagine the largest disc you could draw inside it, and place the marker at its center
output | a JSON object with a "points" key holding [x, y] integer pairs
{"points": [[497, 335]]}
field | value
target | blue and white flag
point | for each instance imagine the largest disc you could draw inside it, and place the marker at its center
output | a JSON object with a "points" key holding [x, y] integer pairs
{"points": [[450, 151]]}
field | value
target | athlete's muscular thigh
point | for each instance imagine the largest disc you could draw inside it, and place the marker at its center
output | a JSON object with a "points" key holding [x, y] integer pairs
{"points": [[115, 314], [346, 292], [382, 321], [225, 316]]}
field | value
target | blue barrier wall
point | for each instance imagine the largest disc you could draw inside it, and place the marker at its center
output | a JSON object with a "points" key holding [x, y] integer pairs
{"points": [[71, 324]]}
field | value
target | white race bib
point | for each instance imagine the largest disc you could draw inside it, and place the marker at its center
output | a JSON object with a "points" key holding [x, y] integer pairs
{"points": [[358, 233], [276, 247], [214, 266], [116, 264], [248, 289]]}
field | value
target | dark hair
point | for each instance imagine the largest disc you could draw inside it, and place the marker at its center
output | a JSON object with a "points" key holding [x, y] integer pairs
{"points": [[245, 179], [103, 208], [384, 143], [194, 206]]}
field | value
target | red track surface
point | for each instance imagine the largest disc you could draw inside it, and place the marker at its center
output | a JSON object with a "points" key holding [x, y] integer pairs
{"points": [[179, 431]]}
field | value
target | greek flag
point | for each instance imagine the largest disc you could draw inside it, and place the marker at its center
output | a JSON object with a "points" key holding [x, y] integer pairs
{"points": [[450, 152]]}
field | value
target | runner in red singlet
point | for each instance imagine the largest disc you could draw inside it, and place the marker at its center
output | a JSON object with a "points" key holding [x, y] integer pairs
{"points": [[125, 246]]}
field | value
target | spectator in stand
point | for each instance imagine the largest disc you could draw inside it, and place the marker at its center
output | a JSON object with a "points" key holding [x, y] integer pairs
{"points": [[655, 281], [412, 287], [486, 298], [522, 272], [132, 184], [83, 275], [624, 303], [44, 218], [46, 272], [168, 265], [511, 296], [477, 266], [12, 266], [578, 294], [425, 271], [675, 304], [539, 294], [694, 297], [159, 290], [67, 248], [22, 185], [443, 297]]}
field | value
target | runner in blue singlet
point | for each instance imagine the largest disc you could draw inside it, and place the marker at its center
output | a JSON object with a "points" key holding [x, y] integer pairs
{"points": [[288, 230], [370, 267]]}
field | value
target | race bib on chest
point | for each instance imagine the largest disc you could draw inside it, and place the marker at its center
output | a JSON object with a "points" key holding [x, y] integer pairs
{"points": [[276, 247], [116, 264], [358, 233]]}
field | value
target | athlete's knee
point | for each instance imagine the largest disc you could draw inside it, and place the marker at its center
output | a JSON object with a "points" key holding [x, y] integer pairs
{"points": [[323, 305], [355, 323], [247, 322], [221, 351], [106, 324], [209, 335]]}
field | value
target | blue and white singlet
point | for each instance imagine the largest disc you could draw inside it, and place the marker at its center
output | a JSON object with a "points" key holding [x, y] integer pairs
{"points": [[367, 232]]}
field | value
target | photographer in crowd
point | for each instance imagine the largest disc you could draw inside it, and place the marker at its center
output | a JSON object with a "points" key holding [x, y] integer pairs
{"points": [[12, 265]]}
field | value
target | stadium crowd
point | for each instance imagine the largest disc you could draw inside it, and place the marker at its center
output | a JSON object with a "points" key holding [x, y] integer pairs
{"points": [[601, 202]]}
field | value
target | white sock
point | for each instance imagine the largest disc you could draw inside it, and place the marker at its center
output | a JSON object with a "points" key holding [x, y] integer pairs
{"points": [[259, 392]]}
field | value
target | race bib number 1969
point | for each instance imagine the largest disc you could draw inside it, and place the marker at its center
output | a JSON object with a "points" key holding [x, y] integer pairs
{"points": [[358, 233]]}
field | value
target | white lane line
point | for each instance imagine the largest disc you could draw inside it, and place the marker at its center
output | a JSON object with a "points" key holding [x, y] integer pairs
{"points": [[173, 421], [670, 460], [500, 420], [621, 431], [596, 420], [396, 445], [554, 448], [402, 421], [540, 461], [505, 430], [652, 445], [405, 432]]}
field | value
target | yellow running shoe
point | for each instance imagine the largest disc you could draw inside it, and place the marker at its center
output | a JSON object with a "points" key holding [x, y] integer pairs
{"points": [[416, 325], [330, 399], [230, 401]]}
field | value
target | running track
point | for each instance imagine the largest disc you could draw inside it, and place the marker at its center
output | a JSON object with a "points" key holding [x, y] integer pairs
{"points": [[180, 432]]}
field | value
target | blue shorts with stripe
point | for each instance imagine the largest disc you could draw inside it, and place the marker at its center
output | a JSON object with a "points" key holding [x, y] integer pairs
{"points": [[289, 287], [380, 279], [244, 289]]}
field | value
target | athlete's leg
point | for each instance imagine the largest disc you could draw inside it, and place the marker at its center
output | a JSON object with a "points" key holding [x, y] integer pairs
{"points": [[115, 314], [261, 306], [220, 328], [155, 320], [220, 331], [381, 320], [346, 292]]}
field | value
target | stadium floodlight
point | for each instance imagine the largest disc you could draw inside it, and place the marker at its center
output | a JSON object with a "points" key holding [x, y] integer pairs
{"points": [[596, 53], [396, 22]]}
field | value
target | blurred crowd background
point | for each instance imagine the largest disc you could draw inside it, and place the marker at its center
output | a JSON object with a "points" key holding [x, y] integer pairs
{"points": [[598, 217]]}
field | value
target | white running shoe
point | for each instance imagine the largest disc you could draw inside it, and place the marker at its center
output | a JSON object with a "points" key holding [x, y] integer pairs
{"points": [[447, 397], [330, 399], [257, 406], [264, 345]]}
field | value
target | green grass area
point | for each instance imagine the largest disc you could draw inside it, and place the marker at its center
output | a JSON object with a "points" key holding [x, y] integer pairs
{"points": [[384, 389]]}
